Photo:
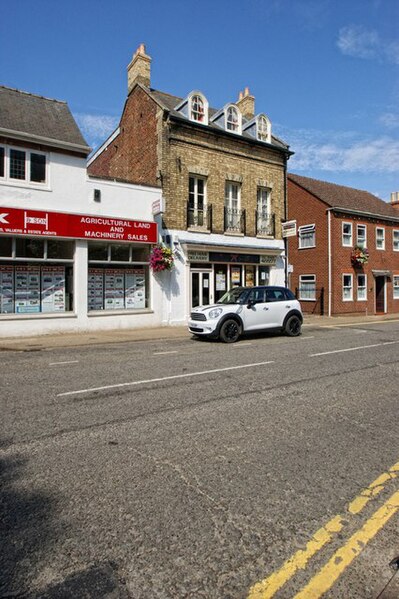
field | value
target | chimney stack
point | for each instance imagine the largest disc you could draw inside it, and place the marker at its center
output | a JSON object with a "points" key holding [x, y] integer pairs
{"points": [[246, 103], [395, 200], [139, 70]]}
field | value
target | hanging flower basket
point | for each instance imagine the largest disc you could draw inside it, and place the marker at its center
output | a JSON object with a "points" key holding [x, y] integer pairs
{"points": [[161, 258], [359, 257]]}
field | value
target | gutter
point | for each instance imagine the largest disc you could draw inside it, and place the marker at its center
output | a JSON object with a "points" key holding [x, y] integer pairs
{"points": [[363, 213], [64, 145]]}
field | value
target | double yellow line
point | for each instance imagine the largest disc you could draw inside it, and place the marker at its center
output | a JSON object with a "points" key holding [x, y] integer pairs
{"points": [[327, 576]]}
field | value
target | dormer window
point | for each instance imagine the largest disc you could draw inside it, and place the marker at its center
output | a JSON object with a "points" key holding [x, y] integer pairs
{"points": [[233, 119], [263, 129], [195, 107]]}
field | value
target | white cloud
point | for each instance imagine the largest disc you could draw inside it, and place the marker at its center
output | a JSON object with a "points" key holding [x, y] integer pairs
{"points": [[96, 128], [342, 152], [389, 120], [359, 42]]}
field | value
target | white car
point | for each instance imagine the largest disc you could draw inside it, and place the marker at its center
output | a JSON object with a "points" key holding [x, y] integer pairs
{"points": [[248, 309]]}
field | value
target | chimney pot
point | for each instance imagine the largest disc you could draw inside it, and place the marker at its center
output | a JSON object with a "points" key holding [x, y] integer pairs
{"points": [[139, 69]]}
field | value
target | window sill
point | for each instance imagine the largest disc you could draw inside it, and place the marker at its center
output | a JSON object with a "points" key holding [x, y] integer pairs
{"points": [[265, 236], [308, 247], [95, 313], [199, 229], [234, 233], [40, 316], [307, 299], [26, 185]]}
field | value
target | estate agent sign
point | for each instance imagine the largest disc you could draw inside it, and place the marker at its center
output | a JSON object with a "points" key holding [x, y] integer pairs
{"points": [[17, 221]]}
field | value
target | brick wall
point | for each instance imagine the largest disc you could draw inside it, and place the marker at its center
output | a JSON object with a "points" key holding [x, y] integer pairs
{"points": [[307, 209], [132, 155], [190, 150]]}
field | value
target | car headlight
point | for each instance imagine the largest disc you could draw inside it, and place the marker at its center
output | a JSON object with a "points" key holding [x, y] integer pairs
{"points": [[215, 312]]}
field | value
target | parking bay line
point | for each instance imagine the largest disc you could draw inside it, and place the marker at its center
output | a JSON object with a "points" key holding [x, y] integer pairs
{"points": [[338, 351], [267, 588], [162, 353], [66, 362], [164, 378]]}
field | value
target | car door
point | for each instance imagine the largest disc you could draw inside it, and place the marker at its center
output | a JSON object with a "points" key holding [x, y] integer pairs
{"points": [[278, 306], [254, 313]]}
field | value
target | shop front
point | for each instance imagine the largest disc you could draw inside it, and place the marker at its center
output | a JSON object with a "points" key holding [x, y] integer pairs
{"points": [[60, 271]]}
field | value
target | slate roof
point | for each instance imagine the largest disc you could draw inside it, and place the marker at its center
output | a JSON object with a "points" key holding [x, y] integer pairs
{"points": [[339, 196], [169, 102], [40, 118]]}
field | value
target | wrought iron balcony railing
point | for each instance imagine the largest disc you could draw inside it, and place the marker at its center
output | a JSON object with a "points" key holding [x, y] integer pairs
{"points": [[199, 218], [234, 220], [264, 223]]}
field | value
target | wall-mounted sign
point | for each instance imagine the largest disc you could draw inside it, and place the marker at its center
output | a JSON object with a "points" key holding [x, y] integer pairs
{"points": [[198, 256], [157, 207], [269, 260], [16, 221], [233, 258], [289, 228]]}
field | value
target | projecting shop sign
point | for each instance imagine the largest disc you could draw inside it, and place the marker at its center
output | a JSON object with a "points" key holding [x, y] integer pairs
{"points": [[16, 221]]}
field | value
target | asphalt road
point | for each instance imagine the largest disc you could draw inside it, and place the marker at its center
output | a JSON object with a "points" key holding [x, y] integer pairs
{"points": [[194, 469]]}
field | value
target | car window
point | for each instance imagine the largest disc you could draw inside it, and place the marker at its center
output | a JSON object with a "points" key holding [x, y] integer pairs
{"points": [[256, 295], [274, 295], [289, 294]]}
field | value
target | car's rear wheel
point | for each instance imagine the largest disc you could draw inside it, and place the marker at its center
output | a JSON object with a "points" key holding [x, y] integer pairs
{"points": [[230, 331], [293, 326]]}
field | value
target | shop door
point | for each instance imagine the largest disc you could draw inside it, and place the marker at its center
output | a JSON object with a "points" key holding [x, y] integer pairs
{"points": [[380, 294], [200, 289]]}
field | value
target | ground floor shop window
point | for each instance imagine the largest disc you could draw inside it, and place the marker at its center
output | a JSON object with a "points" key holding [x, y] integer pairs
{"points": [[36, 275], [35, 288], [118, 277]]}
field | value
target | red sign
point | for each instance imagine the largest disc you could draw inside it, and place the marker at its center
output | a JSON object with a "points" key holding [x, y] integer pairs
{"points": [[17, 221]]}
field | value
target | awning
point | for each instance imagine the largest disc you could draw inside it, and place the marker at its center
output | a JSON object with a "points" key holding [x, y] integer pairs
{"points": [[382, 273]]}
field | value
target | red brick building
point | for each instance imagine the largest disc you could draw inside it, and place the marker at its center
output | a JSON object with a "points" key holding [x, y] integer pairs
{"points": [[345, 251]]}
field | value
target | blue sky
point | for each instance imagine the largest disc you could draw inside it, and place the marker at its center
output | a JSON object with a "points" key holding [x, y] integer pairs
{"points": [[326, 72]]}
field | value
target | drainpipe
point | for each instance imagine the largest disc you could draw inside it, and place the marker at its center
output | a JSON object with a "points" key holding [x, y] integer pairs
{"points": [[329, 262], [285, 218]]}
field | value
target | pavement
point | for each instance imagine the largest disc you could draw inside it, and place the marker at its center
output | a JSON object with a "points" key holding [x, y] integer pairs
{"points": [[49, 341]]}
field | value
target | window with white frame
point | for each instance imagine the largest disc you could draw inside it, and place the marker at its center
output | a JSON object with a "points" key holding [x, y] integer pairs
{"points": [[361, 235], [380, 238], [196, 201], [263, 128], [307, 236], [395, 240], [20, 165], [197, 109], [362, 287], [233, 119], [347, 288], [347, 240], [307, 287], [232, 205], [396, 287]]}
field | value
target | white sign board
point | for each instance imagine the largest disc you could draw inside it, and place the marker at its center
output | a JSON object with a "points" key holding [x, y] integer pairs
{"points": [[157, 207], [289, 228]]}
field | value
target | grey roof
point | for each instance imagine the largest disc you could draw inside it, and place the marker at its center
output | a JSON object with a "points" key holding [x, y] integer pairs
{"points": [[169, 102], [340, 196], [40, 119]]}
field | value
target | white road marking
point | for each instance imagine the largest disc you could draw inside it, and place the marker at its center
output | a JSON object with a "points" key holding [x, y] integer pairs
{"points": [[338, 351], [59, 363], [164, 378], [353, 324], [310, 337], [238, 345], [161, 353]]}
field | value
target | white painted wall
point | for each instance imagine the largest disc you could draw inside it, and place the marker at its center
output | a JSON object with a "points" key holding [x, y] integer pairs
{"points": [[71, 190]]}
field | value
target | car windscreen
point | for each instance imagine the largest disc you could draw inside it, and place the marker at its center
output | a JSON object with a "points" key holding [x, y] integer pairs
{"points": [[237, 295]]}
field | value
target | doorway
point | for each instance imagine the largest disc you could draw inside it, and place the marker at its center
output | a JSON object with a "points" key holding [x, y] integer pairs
{"points": [[201, 288], [380, 295]]}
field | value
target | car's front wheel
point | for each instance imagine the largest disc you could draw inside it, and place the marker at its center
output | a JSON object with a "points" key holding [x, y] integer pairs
{"points": [[293, 326], [230, 331]]}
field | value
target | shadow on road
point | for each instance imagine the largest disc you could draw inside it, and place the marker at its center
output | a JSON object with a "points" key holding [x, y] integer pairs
{"points": [[26, 526]]}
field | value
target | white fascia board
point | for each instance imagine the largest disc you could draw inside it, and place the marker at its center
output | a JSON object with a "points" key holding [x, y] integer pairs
{"points": [[48, 141], [232, 243]]}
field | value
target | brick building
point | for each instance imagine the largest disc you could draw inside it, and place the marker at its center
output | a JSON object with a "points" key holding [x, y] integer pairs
{"points": [[345, 251], [223, 179]]}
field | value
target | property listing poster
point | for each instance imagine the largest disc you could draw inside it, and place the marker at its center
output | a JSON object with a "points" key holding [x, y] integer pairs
{"points": [[27, 289], [114, 289], [6, 289], [53, 289], [135, 288], [96, 289]]}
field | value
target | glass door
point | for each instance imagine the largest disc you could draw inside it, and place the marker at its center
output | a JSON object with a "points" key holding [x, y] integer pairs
{"points": [[200, 288]]}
